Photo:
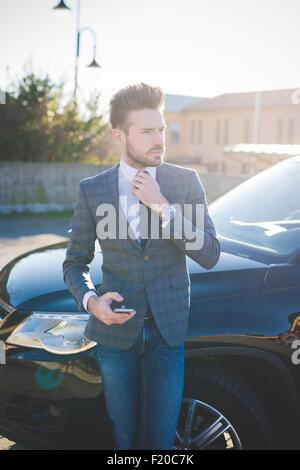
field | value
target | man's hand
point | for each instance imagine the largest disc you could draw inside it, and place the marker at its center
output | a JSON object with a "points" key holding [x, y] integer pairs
{"points": [[100, 308], [147, 190]]}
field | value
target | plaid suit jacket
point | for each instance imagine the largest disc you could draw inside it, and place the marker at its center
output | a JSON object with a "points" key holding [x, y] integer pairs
{"points": [[156, 277]]}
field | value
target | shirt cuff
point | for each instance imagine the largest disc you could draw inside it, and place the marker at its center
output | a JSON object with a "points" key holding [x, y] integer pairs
{"points": [[86, 297]]}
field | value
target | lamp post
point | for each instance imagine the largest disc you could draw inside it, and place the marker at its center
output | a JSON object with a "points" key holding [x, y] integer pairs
{"points": [[63, 8]]}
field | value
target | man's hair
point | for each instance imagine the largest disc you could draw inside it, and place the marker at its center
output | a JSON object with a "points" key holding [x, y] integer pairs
{"points": [[133, 98]]}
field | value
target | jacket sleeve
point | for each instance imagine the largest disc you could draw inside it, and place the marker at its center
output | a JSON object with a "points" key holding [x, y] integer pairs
{"points": [[80, 251], [204, 246]]}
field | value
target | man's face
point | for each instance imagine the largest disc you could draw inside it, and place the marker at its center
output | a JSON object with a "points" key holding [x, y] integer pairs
{"points": [[144, 143]]}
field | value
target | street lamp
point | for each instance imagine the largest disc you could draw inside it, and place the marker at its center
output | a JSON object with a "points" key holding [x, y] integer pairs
{"points": [[63, 8], [93, 64]]}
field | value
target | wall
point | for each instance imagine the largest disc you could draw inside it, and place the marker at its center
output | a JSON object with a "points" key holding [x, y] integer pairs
{"points": [[35, 187]]}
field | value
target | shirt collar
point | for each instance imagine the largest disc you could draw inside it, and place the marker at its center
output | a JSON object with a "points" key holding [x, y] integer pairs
{"points": [[129, 171]]}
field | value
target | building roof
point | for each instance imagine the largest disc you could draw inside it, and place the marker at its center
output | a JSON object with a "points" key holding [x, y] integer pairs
{"points": [[176, 103], [269, 98], [264, 149]]}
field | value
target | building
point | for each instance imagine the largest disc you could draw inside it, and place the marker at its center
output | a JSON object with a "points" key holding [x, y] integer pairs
{"points": [[199, 129], [249, 159]]}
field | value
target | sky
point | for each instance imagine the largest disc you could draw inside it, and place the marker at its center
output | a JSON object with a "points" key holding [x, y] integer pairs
{"points": [[189, 47]]}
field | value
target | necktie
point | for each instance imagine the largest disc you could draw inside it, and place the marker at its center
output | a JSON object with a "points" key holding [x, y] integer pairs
{"points": [[145, 222]]}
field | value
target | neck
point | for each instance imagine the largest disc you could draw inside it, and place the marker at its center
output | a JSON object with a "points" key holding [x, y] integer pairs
{"points": [[132, 163]]}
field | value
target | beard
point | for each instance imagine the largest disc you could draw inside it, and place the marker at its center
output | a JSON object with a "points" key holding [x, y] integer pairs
{"points": [[144, 159]]}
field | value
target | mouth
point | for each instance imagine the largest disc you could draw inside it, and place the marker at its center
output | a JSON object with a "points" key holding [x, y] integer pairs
{"points": [[156, 151]]}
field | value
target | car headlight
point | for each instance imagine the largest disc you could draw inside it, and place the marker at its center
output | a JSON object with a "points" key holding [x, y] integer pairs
{"points": [[57, 333]]}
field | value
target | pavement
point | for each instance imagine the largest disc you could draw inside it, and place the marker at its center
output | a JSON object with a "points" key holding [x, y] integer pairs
{"points": [[22, 233]]}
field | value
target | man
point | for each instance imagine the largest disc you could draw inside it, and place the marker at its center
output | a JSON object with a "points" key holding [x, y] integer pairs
{"points": [[140, 354]]}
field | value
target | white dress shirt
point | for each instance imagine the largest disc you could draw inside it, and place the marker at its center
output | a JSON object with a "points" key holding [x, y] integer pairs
{"points": [[127, 198], [126, 174]]}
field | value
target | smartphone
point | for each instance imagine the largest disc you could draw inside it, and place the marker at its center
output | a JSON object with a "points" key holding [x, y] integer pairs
{"points": [[124, 310]]}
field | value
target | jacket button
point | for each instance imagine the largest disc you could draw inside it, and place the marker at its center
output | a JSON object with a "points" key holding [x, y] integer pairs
{"points": [[146, 257]]}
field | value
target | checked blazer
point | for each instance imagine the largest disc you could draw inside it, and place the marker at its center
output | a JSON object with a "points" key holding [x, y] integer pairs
{"points": [[156, 277]]}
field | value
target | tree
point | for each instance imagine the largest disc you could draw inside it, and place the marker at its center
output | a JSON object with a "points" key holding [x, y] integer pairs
{"points": [[37, 125]]}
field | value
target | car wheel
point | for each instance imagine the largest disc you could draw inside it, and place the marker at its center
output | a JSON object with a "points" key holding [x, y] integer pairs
{"points": [[219, 411]]}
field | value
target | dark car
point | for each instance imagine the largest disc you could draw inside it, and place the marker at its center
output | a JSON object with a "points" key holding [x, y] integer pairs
{"points": [[242, 374]]}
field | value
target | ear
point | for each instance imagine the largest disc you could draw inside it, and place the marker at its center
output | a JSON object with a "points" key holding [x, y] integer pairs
{"points": [[118, 135]]}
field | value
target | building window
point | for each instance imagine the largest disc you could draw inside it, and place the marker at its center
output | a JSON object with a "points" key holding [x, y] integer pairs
{"points": [[218, 132], [224, 167], [192, 135], [199, 132], [226, 132], [291, 131], [175, 133], [246, 139], [279, 133]]}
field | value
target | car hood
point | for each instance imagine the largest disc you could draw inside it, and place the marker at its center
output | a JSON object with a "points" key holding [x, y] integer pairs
{"points": [[35, 280]]}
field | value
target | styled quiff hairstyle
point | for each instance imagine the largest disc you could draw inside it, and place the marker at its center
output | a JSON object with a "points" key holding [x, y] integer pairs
{"points": [[133, 98]]}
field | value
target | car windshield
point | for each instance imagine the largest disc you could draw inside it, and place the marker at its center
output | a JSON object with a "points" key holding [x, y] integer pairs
{"points": [[264, 211]]}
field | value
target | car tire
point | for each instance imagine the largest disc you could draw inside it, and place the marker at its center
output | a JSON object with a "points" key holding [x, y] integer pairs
{"points": [[233, 399]]}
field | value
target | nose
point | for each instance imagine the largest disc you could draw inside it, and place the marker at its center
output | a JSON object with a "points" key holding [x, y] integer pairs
{"points": [[159, 139]]}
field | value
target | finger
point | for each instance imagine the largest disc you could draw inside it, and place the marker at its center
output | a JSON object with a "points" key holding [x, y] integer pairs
{"points": [[139, 195], [139, 181], [128, 317], [110, 296], [138, 178], [121, 317], [136, 188]]}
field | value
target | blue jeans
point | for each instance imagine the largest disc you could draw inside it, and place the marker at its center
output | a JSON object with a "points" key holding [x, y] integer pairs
{"points": [[143, 390]]}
